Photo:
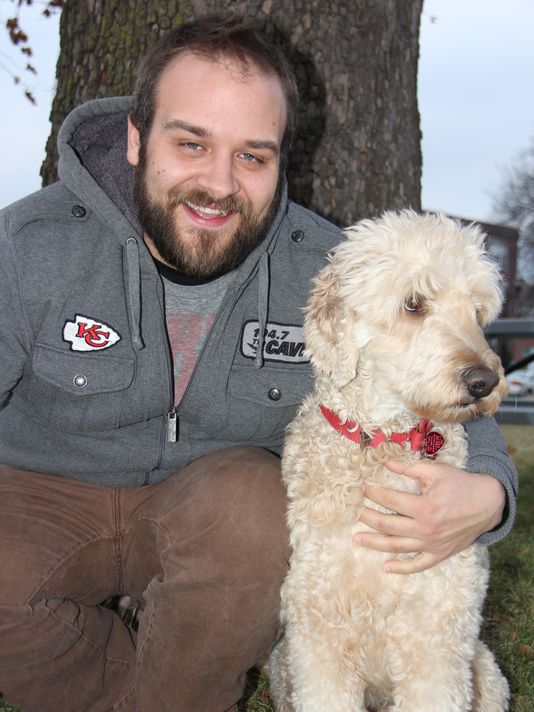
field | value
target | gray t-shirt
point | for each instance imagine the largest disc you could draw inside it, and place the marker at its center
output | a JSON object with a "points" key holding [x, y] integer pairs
{"points": [[190, 310]]}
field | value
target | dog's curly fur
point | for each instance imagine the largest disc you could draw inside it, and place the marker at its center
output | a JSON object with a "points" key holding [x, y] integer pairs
{"points": [[393, 325]]}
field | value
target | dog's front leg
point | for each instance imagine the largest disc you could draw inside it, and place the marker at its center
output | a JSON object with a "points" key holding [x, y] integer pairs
{"points": [[319, 645], [322, 677]]}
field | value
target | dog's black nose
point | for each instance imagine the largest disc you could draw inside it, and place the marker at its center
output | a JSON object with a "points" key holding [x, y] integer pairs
{"points": [[480, 381]]}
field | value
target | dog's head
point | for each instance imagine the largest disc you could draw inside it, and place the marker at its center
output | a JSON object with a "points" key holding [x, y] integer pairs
{"points": [[402, 304]]}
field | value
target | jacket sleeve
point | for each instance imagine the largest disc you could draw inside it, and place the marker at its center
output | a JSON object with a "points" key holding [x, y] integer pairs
{"points": [[14, 325], [488, 454]]}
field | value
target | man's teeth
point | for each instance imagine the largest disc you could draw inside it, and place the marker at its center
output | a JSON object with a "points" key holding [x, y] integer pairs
{"points": [[206, 211]]}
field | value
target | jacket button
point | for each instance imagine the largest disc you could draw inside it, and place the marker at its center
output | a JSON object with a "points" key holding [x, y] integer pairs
{"points": [[274, 394], [80, 381], [78, 211], [297, 236]]}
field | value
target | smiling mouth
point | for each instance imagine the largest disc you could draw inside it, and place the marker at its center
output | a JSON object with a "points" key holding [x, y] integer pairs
{"points": [[205, 212]]}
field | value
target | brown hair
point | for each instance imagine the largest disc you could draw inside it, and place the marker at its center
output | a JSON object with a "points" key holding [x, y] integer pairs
{"points": [[213, 37]]}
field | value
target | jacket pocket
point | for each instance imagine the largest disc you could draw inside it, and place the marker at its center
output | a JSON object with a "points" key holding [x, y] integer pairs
{"points": [[76, 391], [261, 402]]}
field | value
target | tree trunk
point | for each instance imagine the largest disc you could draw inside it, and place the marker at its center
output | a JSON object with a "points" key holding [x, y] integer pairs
{"points": [[357, 151]]}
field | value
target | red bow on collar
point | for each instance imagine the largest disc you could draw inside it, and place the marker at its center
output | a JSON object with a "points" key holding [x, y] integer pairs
{"points": [[421, 438]]}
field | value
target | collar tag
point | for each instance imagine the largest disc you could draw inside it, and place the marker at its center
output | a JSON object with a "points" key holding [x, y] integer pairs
{"points": [[433, 443]]}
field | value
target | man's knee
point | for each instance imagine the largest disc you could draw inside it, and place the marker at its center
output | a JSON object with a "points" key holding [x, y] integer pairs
{"points": [[56, 539], [236, 510]]}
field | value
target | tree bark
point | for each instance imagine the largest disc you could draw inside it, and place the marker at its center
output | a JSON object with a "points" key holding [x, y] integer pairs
{"points": [[357, 150]]}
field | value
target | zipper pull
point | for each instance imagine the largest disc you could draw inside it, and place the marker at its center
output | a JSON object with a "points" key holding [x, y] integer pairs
{"points": [[172, 426]]}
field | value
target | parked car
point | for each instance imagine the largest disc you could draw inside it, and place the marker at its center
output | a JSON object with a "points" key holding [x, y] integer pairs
{"points": [[521, 382]]}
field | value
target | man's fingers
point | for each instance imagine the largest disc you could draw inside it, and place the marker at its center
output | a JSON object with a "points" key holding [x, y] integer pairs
{"points": [[414, 565], [419, 561], [399, 502], [421, 470], [388, 544], [391, 524]]}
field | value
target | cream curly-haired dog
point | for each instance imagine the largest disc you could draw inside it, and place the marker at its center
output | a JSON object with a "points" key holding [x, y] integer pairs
{"points": [[393, 330]]}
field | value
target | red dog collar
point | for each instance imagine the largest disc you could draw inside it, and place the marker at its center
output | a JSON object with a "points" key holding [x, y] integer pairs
{"points": [[421, 438]]}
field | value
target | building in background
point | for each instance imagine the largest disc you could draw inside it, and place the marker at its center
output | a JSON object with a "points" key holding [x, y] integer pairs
{"points": [[502, 245]]}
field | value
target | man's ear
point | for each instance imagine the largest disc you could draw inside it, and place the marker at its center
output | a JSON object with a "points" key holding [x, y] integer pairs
{"points": [[134, 143], [325, 330]]}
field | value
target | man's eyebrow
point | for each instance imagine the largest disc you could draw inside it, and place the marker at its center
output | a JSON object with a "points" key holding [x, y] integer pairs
{"points": [[190, 128], [269, 145]]}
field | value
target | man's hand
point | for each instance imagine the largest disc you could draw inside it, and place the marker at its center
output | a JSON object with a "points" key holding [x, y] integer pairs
{"points": [[454, 508]]}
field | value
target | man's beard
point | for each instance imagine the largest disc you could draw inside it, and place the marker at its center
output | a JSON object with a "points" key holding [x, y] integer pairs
{"points": [[205, 260]]}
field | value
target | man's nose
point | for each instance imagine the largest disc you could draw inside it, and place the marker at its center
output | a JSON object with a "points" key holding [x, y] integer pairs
{"points": [[218, 177]]}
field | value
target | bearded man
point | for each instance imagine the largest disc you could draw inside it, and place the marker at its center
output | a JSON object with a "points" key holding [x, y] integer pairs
{"points": [[152, 355]]}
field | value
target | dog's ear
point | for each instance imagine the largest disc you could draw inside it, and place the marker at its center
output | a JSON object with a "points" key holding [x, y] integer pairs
{"points": [[326, 329]]}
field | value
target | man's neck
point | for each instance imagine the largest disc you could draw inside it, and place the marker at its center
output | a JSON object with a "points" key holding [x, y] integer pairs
{"points": [[174, 275]]}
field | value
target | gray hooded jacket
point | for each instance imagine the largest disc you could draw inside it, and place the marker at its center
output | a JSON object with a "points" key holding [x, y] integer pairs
{"points": [[86, 383]]}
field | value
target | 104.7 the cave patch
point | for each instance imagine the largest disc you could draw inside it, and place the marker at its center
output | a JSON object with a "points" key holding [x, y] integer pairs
{"points": [[282, 342]]}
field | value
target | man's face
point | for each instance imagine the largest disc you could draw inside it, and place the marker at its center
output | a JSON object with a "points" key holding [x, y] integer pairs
{"points": [[208, 172]]}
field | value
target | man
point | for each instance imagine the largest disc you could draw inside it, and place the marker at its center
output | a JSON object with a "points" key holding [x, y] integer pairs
{"points": [[152, 355]]}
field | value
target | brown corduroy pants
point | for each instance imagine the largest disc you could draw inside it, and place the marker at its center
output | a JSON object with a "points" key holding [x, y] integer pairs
{"points": [[206, 549]]}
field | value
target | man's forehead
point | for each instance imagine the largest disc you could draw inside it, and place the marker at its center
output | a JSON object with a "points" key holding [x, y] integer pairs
{"points": [[243, 67], [240, 70]]}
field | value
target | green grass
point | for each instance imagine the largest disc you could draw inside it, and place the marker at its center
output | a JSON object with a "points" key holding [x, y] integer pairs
{"points": [[509, 611]]}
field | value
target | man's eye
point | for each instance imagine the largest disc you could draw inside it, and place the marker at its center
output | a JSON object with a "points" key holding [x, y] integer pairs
{"points": [[249, 157], [191, 146]]}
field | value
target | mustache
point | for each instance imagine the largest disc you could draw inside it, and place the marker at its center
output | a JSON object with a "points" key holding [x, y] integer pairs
{"points": [[203, 199]]}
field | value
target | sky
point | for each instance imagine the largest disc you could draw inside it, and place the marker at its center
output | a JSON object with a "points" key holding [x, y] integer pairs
{"points": [[476, 100]]}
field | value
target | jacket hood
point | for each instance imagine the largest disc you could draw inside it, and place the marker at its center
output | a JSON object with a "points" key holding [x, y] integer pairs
{"points": [[92, 144]]}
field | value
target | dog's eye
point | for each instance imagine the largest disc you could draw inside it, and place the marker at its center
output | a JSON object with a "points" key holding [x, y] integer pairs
{"points": [[480, 313], [414, 304]]}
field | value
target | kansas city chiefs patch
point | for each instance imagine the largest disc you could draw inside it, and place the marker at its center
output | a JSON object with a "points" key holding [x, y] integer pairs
{"points": [[88, 334], [283, 342]]}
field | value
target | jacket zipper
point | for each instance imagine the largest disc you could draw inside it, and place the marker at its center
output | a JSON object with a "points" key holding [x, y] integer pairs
{"points": [[172, 426]]}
